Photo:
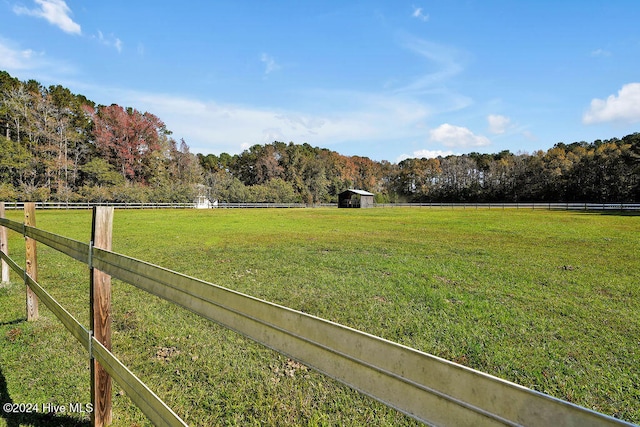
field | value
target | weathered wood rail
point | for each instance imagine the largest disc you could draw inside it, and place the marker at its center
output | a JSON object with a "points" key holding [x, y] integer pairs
{"points": [[430, 389]]}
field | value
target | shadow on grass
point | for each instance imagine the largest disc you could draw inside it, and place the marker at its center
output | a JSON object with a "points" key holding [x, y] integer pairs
{"points": [[610, 213], [618, 213], [14, 322], [35, 419]]}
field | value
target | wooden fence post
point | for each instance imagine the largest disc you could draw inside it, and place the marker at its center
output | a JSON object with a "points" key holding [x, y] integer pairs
{"points": [[4, 247], [100, 317], [31, 261]]}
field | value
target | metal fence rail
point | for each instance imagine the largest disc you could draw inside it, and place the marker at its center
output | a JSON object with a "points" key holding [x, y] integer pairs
{"points": [[425, 387], [150, 404], [420, 385]]}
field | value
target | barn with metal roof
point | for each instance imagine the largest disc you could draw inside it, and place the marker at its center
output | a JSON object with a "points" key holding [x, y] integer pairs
{"points": [[355, 199]]}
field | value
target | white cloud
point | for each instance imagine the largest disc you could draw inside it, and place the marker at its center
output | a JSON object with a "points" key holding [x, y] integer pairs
{"points": [[418, 13], [110, 41], [270, 63], [425, 154], [296, 121], [213, 127], [498, 124], [456, 136], [441, 64], [56, 12], [16, 59], [444, 57], [624, 108]]}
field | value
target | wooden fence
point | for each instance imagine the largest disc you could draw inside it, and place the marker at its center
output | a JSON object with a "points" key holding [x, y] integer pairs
{"points": [[430, 389], [572, 206], [119, 205]]}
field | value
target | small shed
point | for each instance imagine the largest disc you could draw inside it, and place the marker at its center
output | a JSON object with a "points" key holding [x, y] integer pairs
{"points": [[355, 199], [203, 203]]}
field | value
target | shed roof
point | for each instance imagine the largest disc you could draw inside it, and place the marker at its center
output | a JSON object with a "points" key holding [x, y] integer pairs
{"points": [[360, 192]]}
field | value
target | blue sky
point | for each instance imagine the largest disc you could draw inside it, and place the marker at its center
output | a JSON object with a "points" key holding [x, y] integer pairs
{"points": [[382, 79]]}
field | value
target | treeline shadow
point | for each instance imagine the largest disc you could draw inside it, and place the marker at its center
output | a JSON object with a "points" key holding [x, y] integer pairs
{"points": [[612, 212]]}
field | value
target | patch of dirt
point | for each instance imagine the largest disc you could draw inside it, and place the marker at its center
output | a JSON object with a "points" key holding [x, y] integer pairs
{"points": [[165, 354], [13, 334], [288, 370]]}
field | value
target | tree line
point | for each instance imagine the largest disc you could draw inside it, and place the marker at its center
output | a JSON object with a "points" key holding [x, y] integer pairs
{"points": [[600, 171], [61, 146]]}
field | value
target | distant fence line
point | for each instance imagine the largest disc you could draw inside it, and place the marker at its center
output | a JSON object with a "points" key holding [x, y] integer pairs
{"points": [[121, 205], [430, 389], [570, 206]]}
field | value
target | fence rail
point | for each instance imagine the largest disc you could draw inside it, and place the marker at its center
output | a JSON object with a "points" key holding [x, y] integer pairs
{"points": [[571, 206], [430, 389], [534, 206], [90, 205], [150, 404]]}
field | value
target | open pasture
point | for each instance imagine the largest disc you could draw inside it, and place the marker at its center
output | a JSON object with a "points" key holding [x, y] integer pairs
{"points": [[549, 300]]}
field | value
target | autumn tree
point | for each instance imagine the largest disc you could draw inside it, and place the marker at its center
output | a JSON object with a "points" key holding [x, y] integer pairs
{"points": [[127, 137], [55, 144]]}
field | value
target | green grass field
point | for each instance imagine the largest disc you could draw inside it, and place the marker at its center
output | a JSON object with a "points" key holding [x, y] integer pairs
{"points": [[549, 300]]}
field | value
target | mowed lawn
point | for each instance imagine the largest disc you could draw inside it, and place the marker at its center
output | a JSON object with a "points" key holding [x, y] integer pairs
{"points": [[547, 299]]}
